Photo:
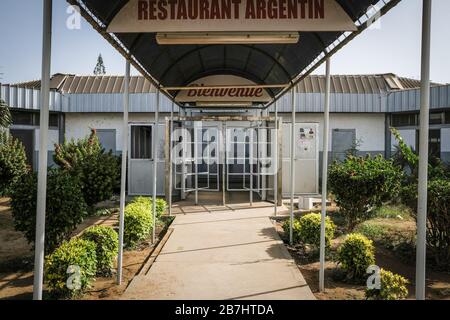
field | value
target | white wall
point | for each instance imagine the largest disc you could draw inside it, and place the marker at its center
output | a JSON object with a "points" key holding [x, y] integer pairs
{"points": [[409, 137], [78, 125], [53, 137], [370, 127], [445, 140]]}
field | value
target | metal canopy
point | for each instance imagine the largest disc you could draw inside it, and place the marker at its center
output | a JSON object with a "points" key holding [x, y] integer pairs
{"points": [[179, 65]]}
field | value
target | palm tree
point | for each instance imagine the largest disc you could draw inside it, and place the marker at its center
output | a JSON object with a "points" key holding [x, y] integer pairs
{"points": [[5, 115]]}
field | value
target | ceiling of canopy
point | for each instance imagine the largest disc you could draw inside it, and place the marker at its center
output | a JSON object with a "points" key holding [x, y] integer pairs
{"points": [[264, 64]]}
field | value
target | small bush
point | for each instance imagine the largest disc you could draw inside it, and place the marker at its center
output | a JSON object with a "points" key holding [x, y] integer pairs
{"points": [[355, 255], [363, 183], [138, 223], [393, 287], [107, 244], [65, 207], [71, 268], [295, 228], [13, 162], [98, 171], [161, 204], [307, 229]]}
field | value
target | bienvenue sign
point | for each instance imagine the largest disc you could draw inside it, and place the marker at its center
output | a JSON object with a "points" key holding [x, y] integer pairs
{"points": [[231, 16], [231, 94]]}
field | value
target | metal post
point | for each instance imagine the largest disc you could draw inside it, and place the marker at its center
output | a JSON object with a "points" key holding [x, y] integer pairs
{"points": [[171, 159], [250, 151], [291, 235], [123, 175], [155, 165], [224, 165], [423, 152], [43, 155], [275, 155], [326, 125], [196, 162]]}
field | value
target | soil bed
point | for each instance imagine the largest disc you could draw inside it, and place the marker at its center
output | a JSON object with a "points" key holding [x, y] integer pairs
{"points": [[16, 259]]}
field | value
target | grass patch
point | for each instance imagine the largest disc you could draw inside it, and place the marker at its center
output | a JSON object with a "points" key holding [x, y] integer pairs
{"points": [[393, 212]]}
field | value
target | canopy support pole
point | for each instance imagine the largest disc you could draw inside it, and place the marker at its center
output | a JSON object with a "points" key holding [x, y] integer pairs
{"points": [[171, 159], [275, 155], [155, 165], [291, 224], [39, 251], [423, 152], [326, 125], [123, 174]]}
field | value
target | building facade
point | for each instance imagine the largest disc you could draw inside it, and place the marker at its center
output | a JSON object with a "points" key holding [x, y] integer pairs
{"points": [[363, 108]]}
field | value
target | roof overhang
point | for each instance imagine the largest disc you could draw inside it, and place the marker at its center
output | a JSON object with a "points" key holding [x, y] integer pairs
{"points": [[178, 65]]}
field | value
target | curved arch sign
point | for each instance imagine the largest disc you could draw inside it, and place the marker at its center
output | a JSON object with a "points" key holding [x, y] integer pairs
{"points": [[231, 16], [199, 94]]}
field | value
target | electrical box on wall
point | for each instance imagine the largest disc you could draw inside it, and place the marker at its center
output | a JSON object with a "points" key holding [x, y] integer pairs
{"points": [[306, 158]]}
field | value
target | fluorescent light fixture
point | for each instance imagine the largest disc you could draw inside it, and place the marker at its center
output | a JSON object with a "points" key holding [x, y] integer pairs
{"points": [[223, 104], [179, 38]]}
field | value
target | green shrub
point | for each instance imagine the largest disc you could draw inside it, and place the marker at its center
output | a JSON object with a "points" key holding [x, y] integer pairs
{"points": [[361, 184], [107, 244], [138, 223], [161, 204], [392, 287], [71, 268], [98, 171], [295, 228], [65, 207], [5, 115], [355, 255], [307, 229], [438, 218], [13, 161]]}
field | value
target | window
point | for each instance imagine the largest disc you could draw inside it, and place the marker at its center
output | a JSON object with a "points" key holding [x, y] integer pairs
{"points": [[25, 118], [404, 120], [343, 141], [437, 118], [22, 118], [141, 142], [447, 117], [107, 138]]}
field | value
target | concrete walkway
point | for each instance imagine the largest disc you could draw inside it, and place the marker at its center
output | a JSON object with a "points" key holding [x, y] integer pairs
{"points": [[218, 255]]}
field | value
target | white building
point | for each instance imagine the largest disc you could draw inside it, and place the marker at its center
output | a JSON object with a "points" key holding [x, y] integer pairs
{"points": [[363, 108]]}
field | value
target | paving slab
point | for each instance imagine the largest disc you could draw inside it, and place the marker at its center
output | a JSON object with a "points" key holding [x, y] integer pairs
{"points": [[221, 255]]}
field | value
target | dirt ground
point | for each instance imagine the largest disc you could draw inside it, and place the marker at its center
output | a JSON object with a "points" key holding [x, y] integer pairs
{"points": [[438, 283], [16, 260]]}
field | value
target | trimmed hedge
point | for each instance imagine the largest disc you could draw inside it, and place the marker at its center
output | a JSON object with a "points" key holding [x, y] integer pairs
{"points": [[138, 223], [393, 287], [307, 229], [355, 255], [71, 268], [362, 183], [65, 207], [107, 244], [161, 204]]}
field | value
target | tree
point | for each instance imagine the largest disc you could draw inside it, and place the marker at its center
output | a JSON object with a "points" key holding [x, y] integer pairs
{"points": [[5, 115], [100, 67]]}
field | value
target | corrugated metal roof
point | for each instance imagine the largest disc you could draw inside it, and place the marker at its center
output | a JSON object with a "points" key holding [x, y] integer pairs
{"points": [[358, 84], [74, 84], [352, 84]]}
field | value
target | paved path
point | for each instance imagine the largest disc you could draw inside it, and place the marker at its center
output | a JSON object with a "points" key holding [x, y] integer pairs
{"points": [[232, 254]]}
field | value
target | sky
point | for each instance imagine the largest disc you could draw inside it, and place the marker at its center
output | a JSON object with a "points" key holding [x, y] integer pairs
{"points": [[393, 46]]}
